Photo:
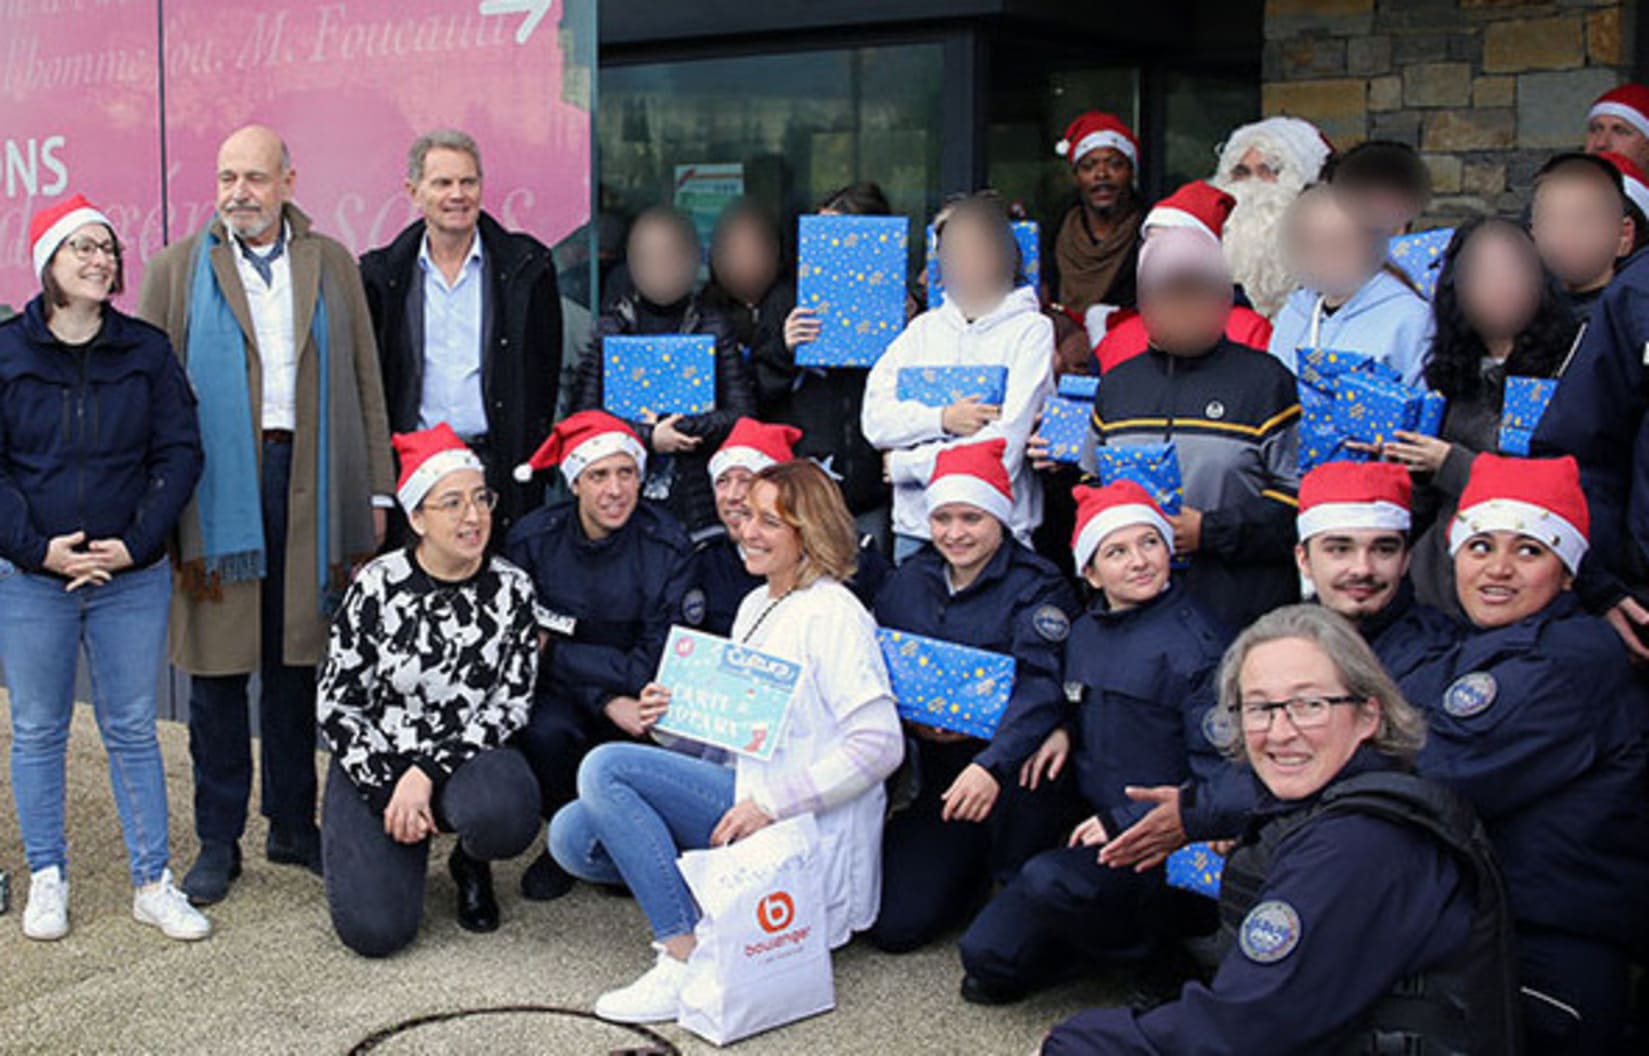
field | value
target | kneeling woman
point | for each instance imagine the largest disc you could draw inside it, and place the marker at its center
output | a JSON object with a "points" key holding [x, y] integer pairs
{"points": [[639, 805], [1362, 911], [972, 585], [429, 671]]}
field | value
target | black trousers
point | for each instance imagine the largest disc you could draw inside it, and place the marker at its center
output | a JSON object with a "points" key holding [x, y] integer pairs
{"points": [[555, 741]]}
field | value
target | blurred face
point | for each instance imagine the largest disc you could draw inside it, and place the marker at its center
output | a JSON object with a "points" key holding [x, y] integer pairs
{"points": [[607, 493], [732, 498], [253, 185], [449, 193], [744, 260], [965, 536], [1185, 317], [1104, 177], [1503, 577], [1609, 133], [1296, 762], [1130, 567], [1498, 282], [663, 264], [84, 266], [771, 546], [454, 521], [1356, 573], [1331, 250], [1253, 165], [970, 259], [1580, 228]]}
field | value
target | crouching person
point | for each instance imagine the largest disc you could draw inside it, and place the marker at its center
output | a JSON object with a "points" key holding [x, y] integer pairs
{"points": [[429, 672]]}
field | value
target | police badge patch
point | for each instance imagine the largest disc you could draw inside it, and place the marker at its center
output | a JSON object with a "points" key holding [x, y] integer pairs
{"points": [[693, 606], [1218, 727], [1051, 623], [1470, 695], [1269, 932]]}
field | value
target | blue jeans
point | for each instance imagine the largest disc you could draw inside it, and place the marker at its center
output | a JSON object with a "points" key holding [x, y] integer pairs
{"points": [[122, 625], [638, 807]]}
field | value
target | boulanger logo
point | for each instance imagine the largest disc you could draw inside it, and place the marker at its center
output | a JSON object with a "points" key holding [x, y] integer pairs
{"points": [[776, 912]]}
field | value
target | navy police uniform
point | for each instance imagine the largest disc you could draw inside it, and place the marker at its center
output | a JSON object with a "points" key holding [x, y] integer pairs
{"points": [[934, 872], [721, 575], [1145, 681], [607, 606]]}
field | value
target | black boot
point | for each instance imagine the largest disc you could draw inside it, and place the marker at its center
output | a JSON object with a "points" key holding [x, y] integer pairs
{"points": [[477, 906], [294, 846], [544, 880], [207, 881]]}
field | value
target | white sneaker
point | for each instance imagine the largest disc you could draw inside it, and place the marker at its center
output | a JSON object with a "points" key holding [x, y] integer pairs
{"points": [[654, 998], [162, 905], [46, 917]]}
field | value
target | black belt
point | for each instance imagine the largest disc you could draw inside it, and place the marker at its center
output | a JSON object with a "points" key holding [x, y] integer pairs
{"points": [[277, 436]]}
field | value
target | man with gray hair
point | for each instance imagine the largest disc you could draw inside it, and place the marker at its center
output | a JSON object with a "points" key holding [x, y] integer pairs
{"points": [[1264, 166], [468, 318]]}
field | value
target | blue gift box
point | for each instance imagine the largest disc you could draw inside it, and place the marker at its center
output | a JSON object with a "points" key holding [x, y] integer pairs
{"points": [[1025, 232], [1196, 867], [1372, 409], [1420, 256], [1154, 467], [851, 271], [945, 685], [1079, 386], [664, 374], [1515, 441], [1432, 406], [943, 386], [1321, 367], [1065, 427], [1525, 402]]}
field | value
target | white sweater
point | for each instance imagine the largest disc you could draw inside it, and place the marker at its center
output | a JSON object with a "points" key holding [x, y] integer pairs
{"points": [[1015, 334]]}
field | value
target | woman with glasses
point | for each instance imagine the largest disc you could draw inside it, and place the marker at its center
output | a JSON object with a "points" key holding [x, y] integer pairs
{"points": [[99, 452], [1362, 911], [429, 671]]}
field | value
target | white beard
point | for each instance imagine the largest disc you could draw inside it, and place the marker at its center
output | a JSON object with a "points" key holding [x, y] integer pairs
{"points": [[1253, 241]]}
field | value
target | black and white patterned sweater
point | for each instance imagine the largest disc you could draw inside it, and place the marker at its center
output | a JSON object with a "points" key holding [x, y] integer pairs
{"points": [[427, 673]]}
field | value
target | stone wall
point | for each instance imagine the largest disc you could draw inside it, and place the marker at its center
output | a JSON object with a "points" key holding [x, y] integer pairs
{"points": [[1485, 89]]}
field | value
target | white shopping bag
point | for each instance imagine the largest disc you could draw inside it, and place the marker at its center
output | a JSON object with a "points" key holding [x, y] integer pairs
{"points": [[763, 954]]}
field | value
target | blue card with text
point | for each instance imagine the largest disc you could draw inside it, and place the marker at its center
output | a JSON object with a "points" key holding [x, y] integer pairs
{"points": [[724, 694]]}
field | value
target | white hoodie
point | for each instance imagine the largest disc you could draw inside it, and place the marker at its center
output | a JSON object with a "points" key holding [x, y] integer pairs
{"points": [[1015, 334]]}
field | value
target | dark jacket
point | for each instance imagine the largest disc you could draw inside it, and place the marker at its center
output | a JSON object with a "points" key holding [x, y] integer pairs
{"points": [[681, 481], [723, 581], [521, 348], [101, 438]]}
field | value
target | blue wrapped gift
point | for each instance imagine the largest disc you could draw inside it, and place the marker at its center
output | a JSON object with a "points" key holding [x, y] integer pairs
{"points": [[1432, 406], [1525, 402], [1320, 367], [943, 386], [1196, 867], [1065, 427], [1372, 409], [1079, 386], [851, 271], [1515, 441], [1420, 255], [664, 374], [1154, 467], [1025, 232], [945, 685]]}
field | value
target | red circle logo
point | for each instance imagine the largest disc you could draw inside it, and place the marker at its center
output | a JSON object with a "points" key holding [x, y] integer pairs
{"points": [[684, 647], [775, 912]]}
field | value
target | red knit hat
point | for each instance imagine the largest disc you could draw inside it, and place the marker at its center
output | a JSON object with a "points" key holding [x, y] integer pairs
{"points": [[973, 474], [1355, 496], [1096, 129], [1632, 180], [427, 456], [755, 446], [1629, 102], [1101, 511], [580, 439], [1198, 205], [1536, 497], [55, 223]]}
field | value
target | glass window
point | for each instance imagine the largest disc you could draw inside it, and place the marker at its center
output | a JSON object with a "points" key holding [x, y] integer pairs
{"points": [[1203, 108]]}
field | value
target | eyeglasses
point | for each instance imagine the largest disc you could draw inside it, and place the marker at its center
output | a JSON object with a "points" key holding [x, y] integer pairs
{"points": [[457, 505], [1304, 712], [87, 248]]}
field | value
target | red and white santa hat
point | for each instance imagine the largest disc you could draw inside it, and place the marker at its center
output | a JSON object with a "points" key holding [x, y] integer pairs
{"points": [[55, 223], [1629, 102], [755, 446], [1198, 205], [427, 456], [1536, 497], [1632, 180], [973, 474], [1101, 511], [1355, 496], [580, 439], [1096, 129]]}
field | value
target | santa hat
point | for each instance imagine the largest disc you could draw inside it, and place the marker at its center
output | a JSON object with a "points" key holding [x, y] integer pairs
{"points": [[1633, 183], [1354, 496], [1198, 205], [55, 223], [1629, 102], [755, 446], [580, 439], [427, 456], [1096, 129], [1536, 497], [1101, 511], [972, 474], [1306, 150]]}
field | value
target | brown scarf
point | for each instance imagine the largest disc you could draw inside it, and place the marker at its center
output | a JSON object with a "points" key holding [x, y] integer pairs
{"points": [[1088, 266]]}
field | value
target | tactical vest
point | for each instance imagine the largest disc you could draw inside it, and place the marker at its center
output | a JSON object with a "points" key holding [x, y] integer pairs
{"points": [[1464, 1006]]}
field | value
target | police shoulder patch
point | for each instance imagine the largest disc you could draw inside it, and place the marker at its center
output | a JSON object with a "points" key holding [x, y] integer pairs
{"points": [[693, 607], [1218, 727], [1269, 932], [1051, 623], [1075, 691], [1470, 694]]}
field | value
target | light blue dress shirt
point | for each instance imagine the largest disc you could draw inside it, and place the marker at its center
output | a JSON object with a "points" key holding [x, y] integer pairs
{"points": [[452, 345]]}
